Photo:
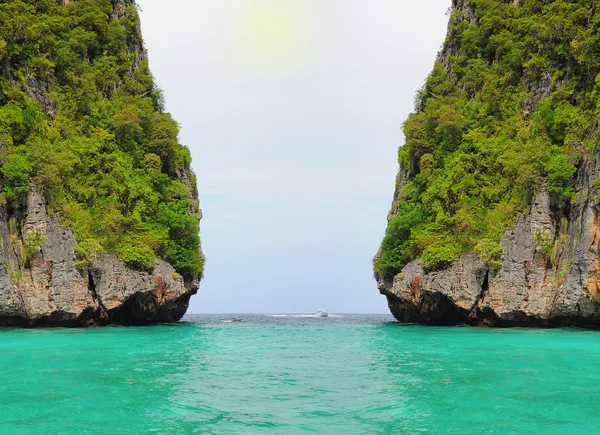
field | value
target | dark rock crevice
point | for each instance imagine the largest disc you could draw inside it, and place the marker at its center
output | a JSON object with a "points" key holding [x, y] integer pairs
{"points": [[485, 286]]}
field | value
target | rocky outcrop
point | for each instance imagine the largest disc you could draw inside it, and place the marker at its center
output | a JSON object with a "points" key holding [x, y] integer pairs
{"points": [[451, 45], [40, 284], [36, 89], [440, 298], [549, 273]]}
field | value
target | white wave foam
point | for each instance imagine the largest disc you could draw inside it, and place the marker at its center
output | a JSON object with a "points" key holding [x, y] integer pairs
{"points": [[298, 316]]}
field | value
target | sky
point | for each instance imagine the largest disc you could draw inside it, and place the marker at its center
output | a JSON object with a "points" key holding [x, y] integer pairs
{"points": [[293, 111]]}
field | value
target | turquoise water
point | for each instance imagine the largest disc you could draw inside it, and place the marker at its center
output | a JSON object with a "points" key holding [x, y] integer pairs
{"points": [[283, 375]]}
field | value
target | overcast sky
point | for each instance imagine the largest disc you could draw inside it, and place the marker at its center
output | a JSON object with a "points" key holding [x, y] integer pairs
{"points": [[293, 111]]}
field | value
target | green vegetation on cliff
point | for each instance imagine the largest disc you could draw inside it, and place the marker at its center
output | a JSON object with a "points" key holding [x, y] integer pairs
{"points": [[512, 104], [81, 119]]}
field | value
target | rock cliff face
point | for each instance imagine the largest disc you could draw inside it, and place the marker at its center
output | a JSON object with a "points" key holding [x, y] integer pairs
{"points": [[549, 273], [531, 287], [40, 282], [41, 286]]}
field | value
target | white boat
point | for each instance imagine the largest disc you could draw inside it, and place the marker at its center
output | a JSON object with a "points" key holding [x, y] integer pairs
{"points": [[322, 313]]}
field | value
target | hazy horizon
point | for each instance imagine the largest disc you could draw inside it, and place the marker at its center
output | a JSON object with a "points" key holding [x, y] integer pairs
{"points": [[293, 111]]}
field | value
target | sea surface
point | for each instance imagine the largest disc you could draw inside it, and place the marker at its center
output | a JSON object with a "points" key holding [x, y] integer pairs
{"points": [[267, 374]]}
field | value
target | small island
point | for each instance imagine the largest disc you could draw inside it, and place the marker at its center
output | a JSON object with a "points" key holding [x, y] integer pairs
{"points": [[99, 209], [495, 214]]}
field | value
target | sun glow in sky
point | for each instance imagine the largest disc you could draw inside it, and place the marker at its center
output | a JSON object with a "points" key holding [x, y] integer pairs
{"points": [[271, 37], [292, 110]]}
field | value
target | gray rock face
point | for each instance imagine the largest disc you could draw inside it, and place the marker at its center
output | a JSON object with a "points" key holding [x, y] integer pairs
{"points": [[36, 89], [441, 298], [451, 46], [41, 286]]}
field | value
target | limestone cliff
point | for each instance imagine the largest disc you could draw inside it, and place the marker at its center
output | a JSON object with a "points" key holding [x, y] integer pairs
{"points": [[528, 289], [548, 273], [44, 279], [45, 288]]}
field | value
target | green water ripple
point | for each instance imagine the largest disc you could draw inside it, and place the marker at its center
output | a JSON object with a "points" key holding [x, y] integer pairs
{"points": [[274, 375]]}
